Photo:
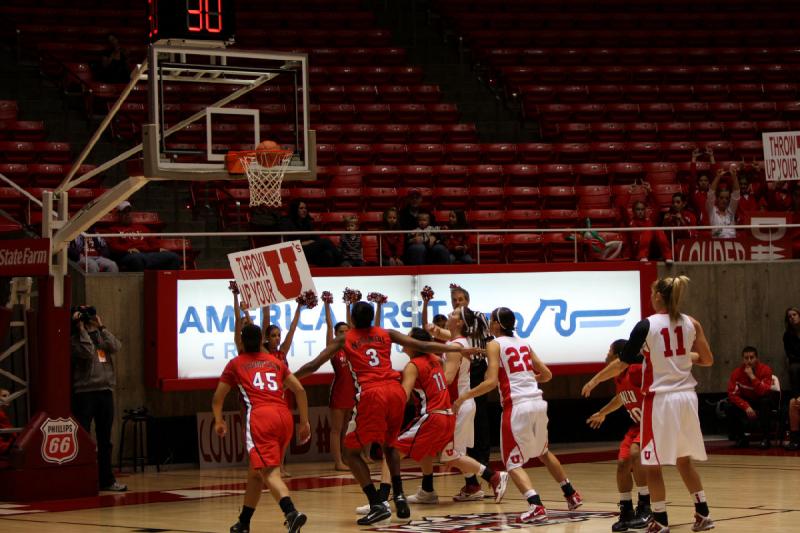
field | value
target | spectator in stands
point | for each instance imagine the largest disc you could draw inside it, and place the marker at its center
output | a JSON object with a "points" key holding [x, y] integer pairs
{"points": [[791, 346], [93, 351], [794, 425], [749, 198], [113, 66], [97, 259], [6, 439], [135, 252], [458, 243], [319, 251], [643, 242], [350, 244], [424, 245], [699, 186], [721, 206], [408, 214], [751, 397], [680, 216], [392, 245]]}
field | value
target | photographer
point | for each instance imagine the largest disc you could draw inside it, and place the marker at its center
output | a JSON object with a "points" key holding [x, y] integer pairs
{"points": [[93, 383]]}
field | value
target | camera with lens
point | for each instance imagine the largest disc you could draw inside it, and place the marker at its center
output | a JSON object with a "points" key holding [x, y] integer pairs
{"points": [[84, 313]]}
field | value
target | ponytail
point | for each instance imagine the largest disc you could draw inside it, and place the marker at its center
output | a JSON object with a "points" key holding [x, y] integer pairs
{"points": [[475, 328], [672, 291]]}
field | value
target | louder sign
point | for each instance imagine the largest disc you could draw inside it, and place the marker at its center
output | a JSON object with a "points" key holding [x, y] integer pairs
{"points": [[271, 274], [768, 240]]}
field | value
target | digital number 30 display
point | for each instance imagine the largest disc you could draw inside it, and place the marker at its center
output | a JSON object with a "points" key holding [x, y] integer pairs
{"points": [[191, 19]]}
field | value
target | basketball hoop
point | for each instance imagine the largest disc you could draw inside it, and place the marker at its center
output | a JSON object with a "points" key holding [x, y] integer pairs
{"points": [[265, 170]]}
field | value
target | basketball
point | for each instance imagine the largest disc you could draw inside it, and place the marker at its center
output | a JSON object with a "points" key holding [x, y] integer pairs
{"points": [[271, 158], [268, 145]]}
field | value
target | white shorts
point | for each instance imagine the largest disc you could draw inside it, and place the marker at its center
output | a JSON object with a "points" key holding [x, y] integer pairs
{"points": [[523, 433], [671, 428], [465, 433]]}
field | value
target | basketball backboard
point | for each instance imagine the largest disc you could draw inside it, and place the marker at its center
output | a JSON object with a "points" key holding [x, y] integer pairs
{"points": [[205, 100]]}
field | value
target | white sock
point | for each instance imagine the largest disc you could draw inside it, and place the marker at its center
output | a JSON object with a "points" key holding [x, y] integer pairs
{"points": [[566, 480], [643, 491], [659, 507], [625, 497], [530, 494], [699, 497], [481, 470]]}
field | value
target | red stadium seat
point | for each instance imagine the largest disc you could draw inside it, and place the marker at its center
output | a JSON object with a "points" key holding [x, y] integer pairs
{"points": [[354, 154], [609, 152], [345, 198], [18, 152], [675, 131], [371, 220], [677, 150], [370, 248], [451, 197], [450, 175], [560, 249], [393, 133], [463, 153], [534, 153], [574, 132], [759, 110], [721, 111], [390, 154], [313, 197], [656, 111], [740, 130], [335, 220], [521, 197], [591, 174], [415, 176], [486, 219], [523, 218], [489, 247], [641, 131], [361, 94], [426, 154], [524, 248], [559, 218], [748, 150], [358, 133], [329, 133], [625, 172], [644, 151], [460, 133], [662, 194], [690, 111], [558, 197], [426, 133], [660, 172], [592, 112], [600, 217], [380, 198], [572, 152], [486, 175], [486, 197], [593, 196], [499, 153], [380, 175]]}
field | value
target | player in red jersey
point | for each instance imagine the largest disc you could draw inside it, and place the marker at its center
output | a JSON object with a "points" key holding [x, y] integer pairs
{"points": [[670, 431], [516, 370], [261, 378], [433, 432], [629, 468], [380, 401], [343, 392]]}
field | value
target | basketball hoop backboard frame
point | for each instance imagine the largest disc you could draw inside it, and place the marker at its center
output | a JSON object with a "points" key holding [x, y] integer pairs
{"points": [[241, 70]]}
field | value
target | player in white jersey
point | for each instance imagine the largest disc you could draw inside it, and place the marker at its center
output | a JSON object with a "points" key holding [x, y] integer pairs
{"points": [[514, 368], [670, 429]]}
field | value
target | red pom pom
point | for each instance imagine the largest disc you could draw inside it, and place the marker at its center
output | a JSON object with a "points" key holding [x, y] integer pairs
{"points": [[377, 298], [233, 287], [427, 293], [351, 296], [308, 299], [327, 297], [454, 286]]}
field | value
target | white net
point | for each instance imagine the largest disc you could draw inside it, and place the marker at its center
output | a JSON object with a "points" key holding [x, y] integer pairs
{"points": [[265, 170]]}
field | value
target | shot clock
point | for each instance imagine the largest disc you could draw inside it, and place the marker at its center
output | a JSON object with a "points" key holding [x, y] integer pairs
{"points": [[200, 20]]}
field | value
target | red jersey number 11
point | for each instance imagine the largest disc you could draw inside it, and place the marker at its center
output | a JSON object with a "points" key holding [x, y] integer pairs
{"points": [[681, 349]]}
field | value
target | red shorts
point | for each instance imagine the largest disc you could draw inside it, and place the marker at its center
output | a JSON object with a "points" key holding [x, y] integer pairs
{"points": [[343, 394], [267, 434], [631, 438], [377, 416], [427, 436]]}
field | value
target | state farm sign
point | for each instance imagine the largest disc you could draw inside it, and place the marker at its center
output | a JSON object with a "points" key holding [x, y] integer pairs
{"points": [[25, 257]]}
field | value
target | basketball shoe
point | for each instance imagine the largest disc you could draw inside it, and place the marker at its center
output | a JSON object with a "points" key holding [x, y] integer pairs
{"points": [[626, 514], [401, 506], [423, 496], [238, 527], [535, 513], [499, 484], [702, 523], [294, 521], [574, 500], [655, 527], [377, 513], [364, 509], [469, 493]]}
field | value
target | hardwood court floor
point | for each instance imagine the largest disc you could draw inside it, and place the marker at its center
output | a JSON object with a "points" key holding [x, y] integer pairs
{"points": [[746, 493]]}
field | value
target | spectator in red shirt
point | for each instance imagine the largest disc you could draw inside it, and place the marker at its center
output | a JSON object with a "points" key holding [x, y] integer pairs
{"points": [[137, 252], [680, 216], [458, 243], [749, 199], [642, 241], [751, 397], [392, 244]]}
